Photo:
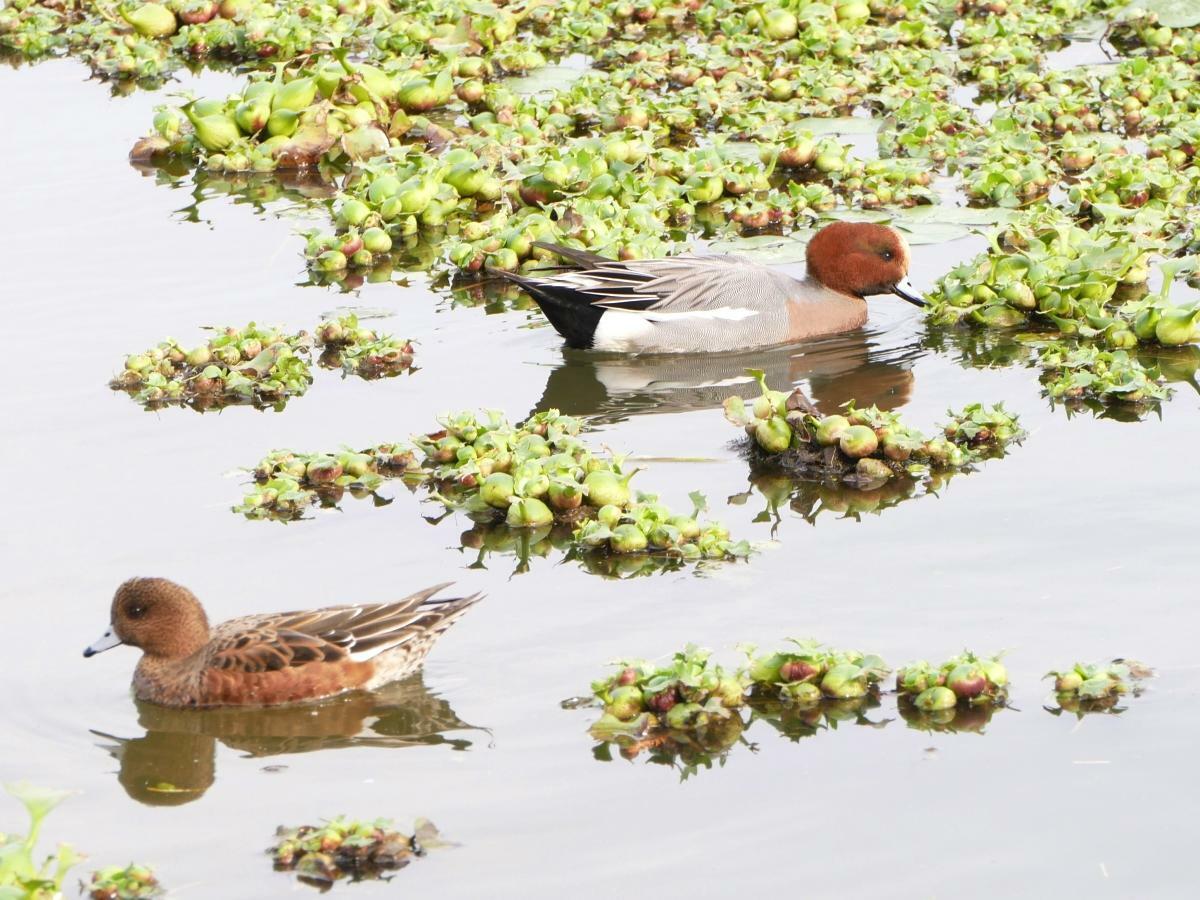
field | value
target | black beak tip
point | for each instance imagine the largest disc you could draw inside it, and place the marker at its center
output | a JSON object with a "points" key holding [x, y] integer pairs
{"points": [[88, 651], [905, 294]]}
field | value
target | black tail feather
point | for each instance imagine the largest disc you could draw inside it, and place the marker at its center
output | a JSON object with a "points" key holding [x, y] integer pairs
{"points": [[572, 315]]}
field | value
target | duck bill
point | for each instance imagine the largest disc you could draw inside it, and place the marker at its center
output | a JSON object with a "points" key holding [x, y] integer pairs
{"points": [[107, 641], [905, 291]]}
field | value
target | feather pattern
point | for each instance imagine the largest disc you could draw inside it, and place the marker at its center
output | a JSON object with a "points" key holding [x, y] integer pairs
{"points": [[357, 633], [678, 284]]}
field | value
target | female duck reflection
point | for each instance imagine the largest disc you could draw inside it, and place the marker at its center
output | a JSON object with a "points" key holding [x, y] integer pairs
{"points": [[174, 762], [866, 366]]}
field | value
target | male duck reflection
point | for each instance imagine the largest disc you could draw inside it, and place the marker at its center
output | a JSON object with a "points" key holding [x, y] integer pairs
{"points": [[871, 368], [269, 659], [694, 304]]}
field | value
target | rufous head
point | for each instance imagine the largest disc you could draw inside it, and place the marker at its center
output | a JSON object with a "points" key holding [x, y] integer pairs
{"points": [[861, 259], [160, 617]]}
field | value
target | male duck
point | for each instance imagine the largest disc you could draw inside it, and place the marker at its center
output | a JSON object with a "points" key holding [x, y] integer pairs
{"points": [[695, 304]]}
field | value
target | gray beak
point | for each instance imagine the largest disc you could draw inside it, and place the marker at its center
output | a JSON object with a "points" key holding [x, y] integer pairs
{"points": [[107, 641], [905, 291]]}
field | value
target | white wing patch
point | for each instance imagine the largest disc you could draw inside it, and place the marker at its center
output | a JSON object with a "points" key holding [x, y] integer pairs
{"points": [[621, 332], [629, 332]]}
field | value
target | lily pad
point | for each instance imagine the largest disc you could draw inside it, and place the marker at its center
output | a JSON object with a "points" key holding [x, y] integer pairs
{"points": [[931, 232], [955, 215], [922, 224], [546, 80], [1172, 13], [746, 151], [858, 215], [840, 125], [1089, 28], [769, 249]]}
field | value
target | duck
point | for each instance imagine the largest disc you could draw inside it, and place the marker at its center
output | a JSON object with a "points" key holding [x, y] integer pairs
{"points": [[720, 303], [273, 658]]}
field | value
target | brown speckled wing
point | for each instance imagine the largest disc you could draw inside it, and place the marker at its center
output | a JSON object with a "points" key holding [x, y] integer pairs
{"points": [[267, 648], [335, 634]]}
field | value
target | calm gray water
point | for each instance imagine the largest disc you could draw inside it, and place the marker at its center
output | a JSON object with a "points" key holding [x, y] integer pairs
{"points": [[1077, 546]]}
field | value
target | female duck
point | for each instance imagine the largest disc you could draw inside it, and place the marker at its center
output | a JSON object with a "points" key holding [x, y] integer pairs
{"points": [[696, 304], [273, 658]]}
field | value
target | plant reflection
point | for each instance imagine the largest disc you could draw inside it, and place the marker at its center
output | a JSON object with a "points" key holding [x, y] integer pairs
{"points": [[687, 752], [810, 499], [797, 721], [960, 718], [524, 545], [1173, 366]]}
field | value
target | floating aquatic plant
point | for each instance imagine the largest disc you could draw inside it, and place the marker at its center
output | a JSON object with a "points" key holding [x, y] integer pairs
{"points": [[689, 693], [287, 484], [808, 672], [648, 526], [22, 872], [1083, 373], [132, 882], [530, 477], [1090, 688], [961, 681], [347, 344], [866, 446], [349, 848], [257, 366]]}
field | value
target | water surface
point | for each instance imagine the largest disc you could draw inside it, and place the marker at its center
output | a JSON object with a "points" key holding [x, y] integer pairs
{"points": [[1077, 546]]}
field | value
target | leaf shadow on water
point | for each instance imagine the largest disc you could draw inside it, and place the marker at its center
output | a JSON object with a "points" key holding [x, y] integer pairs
{"points": [[174, 761]]}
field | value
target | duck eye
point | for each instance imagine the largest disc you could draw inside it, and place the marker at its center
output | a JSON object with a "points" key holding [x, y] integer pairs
{"points": [[887, 255], [136, 611]]}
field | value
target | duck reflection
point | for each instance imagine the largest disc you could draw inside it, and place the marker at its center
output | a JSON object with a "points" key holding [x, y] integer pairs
{"points": [[174, 762], [869, 367]]}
